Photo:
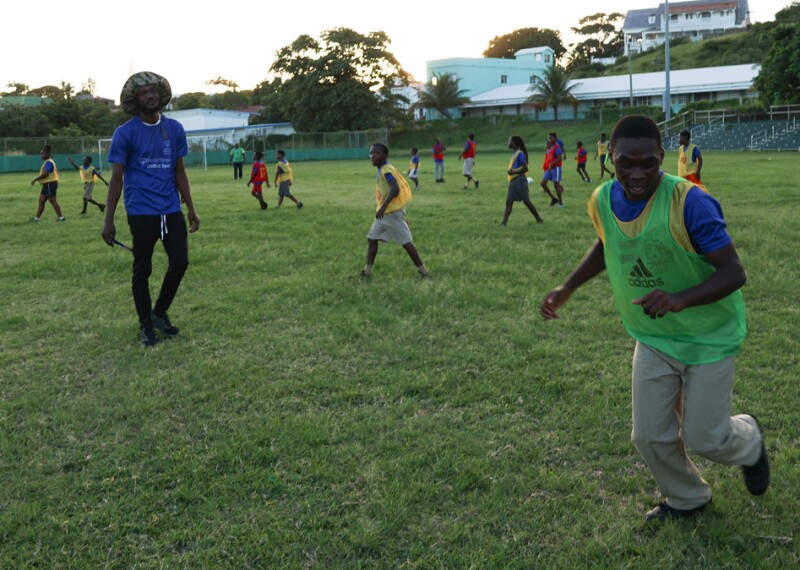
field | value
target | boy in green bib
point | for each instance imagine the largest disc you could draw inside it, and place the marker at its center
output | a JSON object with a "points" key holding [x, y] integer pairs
{"points": [[676, 278]]}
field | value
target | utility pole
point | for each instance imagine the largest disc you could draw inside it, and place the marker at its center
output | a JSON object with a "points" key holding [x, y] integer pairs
{"points": [[630, 71], [667, 105]]}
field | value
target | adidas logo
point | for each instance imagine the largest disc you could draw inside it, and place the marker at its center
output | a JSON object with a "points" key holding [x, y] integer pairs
{"points": [[641, 276]]}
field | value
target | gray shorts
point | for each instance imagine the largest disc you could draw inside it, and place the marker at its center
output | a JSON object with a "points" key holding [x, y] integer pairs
{"points": [[284, 189], [518, 190], [469, 163], [88, 188], [392, 227]]}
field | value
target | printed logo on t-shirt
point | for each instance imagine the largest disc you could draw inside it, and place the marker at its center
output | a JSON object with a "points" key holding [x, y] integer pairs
{"points": [[642, 277]]}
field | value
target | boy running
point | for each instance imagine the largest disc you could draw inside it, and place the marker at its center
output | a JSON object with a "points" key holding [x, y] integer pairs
{"points": [[89, 176], [259, 176], [690, 161], [283, 179], [468, 154], [676, 278], [553, 165], [392, 193]]}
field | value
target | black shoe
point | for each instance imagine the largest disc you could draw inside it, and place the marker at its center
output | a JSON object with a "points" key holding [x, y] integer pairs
{"points": [[664, 511], [299, 205], [756, 477], [553, 201], [163, 324], [477, 184], [264, 205], [147, 335], [102, 207]]}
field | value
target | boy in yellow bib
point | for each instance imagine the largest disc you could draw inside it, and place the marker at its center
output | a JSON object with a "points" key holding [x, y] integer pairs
{"points": [[675, 276], [89, 175], [48, 178], [392, 193]]}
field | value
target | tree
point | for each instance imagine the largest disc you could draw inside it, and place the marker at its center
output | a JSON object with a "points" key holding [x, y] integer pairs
{"points": [[443, 94], [779, 78], [342, 81], [603, 39], [22, 121], [553, 89], [18, 88], [195, 100], [507, 45], [222, 82], [89, 86]]}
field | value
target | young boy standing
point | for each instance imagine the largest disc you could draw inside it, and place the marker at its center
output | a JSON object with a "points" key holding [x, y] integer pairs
{"points": [[413, 168], [468, 154], [392, 193], [554, 160], [676, 277], [581, 158], [89, 176], [258, 177], [602, 152], [283, 179]]}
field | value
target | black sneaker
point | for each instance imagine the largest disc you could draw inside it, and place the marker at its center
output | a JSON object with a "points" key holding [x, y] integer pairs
{"points": [[299, 205], [163, 324], [147, 335], [264, 205], [664, 511], [756, 477], [477, 184], [553, 201], [102, 207]]}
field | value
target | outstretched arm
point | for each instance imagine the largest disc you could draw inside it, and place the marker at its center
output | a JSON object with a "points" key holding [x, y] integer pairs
{"points": [[592, 264], [72, 162], [728, 277]]}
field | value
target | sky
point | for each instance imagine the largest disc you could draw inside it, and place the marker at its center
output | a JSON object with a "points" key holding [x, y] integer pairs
{"points": [[46, 42]]}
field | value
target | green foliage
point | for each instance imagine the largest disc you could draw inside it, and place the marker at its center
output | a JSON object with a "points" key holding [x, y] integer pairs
{"points": [[604, 39], [342, 81], [552, 89], [195, 100], [303, 418], [22, 121], [442, 93], [64, 117], [790, 13], [779, 79], [507, 45]]}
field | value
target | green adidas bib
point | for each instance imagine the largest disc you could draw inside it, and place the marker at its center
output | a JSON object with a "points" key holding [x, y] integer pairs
{"points": [[653, 259]]}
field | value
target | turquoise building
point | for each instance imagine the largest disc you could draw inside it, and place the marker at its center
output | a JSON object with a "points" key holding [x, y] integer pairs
{"points": [[479, 75]]}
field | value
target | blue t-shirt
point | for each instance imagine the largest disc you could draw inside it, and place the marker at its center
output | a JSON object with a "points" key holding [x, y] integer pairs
{"points": [[415, 159], [150, 154], [519, 160], [702, 216]]}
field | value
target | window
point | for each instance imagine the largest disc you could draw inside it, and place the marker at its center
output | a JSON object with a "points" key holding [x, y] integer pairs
{"points": [[533, 79], [547, 58], [538, 57], [504, 79], [651, 20], [705, 15], [673, 17]]}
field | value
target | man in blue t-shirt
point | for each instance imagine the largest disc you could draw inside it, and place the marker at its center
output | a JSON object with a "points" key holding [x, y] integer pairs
{"points": [[146, 154]]}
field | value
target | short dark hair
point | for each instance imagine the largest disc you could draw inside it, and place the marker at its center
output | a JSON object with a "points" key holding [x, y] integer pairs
{"points": [[258, 155], [414, 149], [471, 136], [47, 148], [89, 158], [636, 127], [580, 143], [686, 134], [279, 152], [383, 148], [555, 136]]}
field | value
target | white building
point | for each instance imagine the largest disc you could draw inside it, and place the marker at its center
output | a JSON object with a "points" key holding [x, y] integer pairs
{"points": [[645, 29], [714, 83], [410, 92]]}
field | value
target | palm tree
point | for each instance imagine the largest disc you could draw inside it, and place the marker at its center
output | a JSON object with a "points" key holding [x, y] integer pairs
{"points": [[443, 94], [553, 89]]}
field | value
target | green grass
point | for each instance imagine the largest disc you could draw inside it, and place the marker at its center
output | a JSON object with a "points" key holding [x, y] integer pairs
{"points": [[304, 418]]}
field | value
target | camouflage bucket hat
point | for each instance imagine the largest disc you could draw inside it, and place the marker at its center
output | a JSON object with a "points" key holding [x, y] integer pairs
{"points": [[127, 97]]}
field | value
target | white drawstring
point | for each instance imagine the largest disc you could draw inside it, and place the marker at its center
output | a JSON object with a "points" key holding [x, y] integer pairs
{"points": [[164, 230]]}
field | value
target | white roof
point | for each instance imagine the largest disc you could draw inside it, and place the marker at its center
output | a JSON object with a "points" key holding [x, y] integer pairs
{"points": [[701, 80]]}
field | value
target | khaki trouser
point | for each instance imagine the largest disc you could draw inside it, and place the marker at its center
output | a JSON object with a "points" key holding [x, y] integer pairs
{"points": [[661, 435]]}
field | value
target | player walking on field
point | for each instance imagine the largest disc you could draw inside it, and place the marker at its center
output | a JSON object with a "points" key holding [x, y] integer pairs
{"points": [[258, 177], [468, 154], [146, 154], [690, 161], [438, 160], [89, 176], [413, 168], [676, 277], [518, 190], [392, 193], [553, 170], [602, 152], [581, 158], [48, 178], [283, 179]]}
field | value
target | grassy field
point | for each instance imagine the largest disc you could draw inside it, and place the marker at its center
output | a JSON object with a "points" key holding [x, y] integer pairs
{"points": [[304, 418]]}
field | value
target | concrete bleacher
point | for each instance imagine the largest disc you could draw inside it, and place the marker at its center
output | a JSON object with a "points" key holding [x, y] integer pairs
{"points": [[750, 135]]}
